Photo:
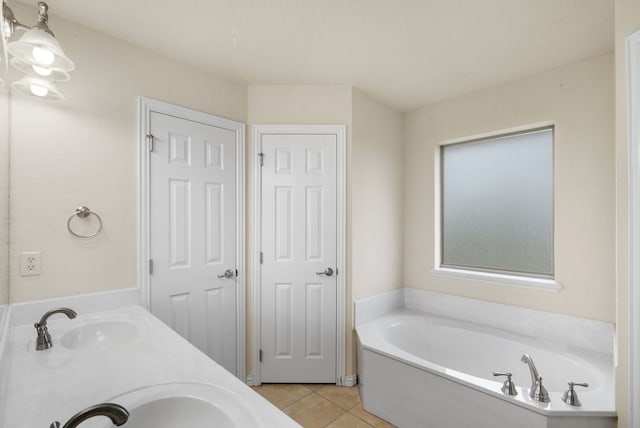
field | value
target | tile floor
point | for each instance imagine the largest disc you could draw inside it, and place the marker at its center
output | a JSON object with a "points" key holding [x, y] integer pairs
{"points": [[320, 406]]}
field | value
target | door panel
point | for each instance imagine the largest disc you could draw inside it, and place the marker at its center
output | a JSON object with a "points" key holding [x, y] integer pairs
{"points": [[299, 241], [193, 225]]}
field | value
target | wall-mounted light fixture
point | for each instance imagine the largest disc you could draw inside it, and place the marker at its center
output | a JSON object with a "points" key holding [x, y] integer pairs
{"points": [[37, 54]]}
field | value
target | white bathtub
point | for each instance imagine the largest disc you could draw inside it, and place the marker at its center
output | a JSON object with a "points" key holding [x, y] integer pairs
{"points": [[417, 370]]}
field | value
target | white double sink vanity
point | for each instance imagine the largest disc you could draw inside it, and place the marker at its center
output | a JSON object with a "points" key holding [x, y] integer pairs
{"points": [[128, 357]]}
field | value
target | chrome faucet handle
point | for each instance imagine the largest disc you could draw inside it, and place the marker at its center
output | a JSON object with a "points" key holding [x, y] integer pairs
{"points": [[118, 415], [570, 396], [43, 340], [539, 392], [508, 387]]}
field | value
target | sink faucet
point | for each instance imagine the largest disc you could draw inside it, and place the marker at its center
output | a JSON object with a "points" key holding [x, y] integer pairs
{"points": [[538, 392], [44, 338], [118, 415]]}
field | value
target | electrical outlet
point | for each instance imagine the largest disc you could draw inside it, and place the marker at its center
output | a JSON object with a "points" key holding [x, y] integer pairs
{"points": [[30, 263]]}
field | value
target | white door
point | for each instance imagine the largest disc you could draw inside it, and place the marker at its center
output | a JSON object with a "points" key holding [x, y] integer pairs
{"points": [[299, 259], [193, 223]]}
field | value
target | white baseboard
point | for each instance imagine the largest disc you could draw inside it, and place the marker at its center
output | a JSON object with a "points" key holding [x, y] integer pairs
{"points": [[346, 381], [350, 380]]}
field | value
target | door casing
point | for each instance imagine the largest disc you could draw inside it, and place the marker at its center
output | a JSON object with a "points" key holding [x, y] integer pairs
{"points": [[340, 132], [145, 107], [633, 146]]}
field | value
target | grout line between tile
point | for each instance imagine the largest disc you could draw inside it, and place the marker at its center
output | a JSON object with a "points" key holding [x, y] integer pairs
{"points": [[344, 411], [334, 419]]}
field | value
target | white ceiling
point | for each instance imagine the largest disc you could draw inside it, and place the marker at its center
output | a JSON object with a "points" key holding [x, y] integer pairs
{"points": [[407, 53]]}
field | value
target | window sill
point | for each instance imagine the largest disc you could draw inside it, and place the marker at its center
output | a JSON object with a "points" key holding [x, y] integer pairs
{"points": [[499, 279]]}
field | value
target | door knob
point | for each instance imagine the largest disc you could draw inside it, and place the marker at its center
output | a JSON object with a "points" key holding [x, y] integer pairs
{"points": [[328, 272], [227, 274]]}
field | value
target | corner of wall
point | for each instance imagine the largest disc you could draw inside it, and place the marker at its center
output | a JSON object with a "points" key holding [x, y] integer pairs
{"points": [[627, 20]]}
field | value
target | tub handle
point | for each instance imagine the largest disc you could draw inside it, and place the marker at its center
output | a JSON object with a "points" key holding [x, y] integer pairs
{"points": [[571, 397], [508, 387]]}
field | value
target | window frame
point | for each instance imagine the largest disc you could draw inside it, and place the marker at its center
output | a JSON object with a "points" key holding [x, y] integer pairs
{"points": [[496, 276]]}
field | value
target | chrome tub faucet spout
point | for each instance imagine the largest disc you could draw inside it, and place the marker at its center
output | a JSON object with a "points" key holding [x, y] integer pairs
{"points": [[538, 392], [118, 415], [43, 340], [532, 368]]}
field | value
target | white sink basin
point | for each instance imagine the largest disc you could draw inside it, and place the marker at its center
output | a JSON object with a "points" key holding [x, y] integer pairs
{"points": [[96, 335], [192, 405]]}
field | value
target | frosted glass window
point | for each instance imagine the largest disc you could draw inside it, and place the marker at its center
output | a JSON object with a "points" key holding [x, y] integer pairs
{"points": [[497, 204]]}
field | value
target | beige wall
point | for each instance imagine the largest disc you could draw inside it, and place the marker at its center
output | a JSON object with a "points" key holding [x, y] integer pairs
{"points": [[84, 152], [4, 195], [627, 16], [299, 104], [376, 204], [579, 98], [377, 197]]}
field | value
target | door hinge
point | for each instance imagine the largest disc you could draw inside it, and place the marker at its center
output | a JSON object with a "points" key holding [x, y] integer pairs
{"points": [[260, 355], [261, 257], [150, 267], [261, 157], [150, 142]]}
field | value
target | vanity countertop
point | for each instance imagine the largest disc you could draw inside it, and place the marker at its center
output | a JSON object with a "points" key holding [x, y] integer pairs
{"points": [[52, 385]]}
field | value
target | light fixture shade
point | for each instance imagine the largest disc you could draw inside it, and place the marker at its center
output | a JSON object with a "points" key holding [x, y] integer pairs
{"points": [[41, 48], [40, 88], [39, 71]]}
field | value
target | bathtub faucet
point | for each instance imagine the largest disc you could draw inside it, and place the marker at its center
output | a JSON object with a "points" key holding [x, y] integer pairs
{"points": [[532, 368], [538, 392]]}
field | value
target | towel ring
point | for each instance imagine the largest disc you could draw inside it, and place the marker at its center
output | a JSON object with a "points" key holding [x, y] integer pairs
{"points": [[83, 212]]}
